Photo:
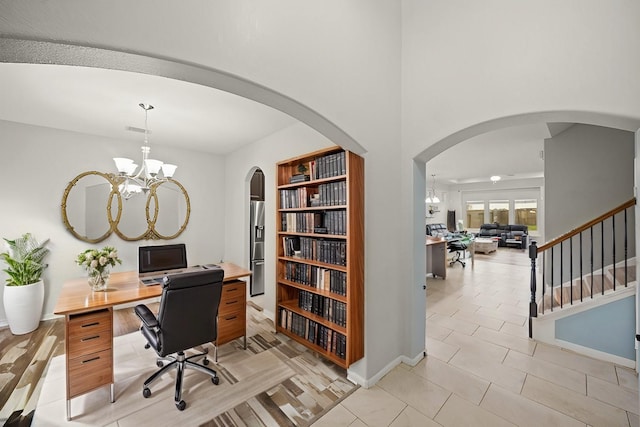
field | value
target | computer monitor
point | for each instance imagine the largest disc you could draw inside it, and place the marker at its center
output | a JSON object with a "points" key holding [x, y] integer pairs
{"points": [[162, 258]]}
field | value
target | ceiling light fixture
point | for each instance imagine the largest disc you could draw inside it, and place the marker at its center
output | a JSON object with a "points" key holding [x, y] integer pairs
{"points": [[130, 182], [495, 178], [431, 197]]}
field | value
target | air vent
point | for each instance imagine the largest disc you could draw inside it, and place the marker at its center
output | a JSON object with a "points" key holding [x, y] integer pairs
{"points": [[135, 129]]}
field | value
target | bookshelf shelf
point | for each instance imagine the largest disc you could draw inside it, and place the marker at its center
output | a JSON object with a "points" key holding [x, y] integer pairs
{"points": [[313, 208], [320, 253], [314, 263], [308, 288], [293, 307], [316, 235]]}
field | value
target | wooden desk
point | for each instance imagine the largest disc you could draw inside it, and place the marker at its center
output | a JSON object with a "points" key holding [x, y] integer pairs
{"points": [[437, 256], [89, 323]]}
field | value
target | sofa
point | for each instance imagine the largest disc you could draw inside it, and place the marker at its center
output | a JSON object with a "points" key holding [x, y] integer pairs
{"points": [[509, 235]]}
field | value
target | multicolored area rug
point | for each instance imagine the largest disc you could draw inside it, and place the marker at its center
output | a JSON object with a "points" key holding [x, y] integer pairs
{"points": [[274, 382]]}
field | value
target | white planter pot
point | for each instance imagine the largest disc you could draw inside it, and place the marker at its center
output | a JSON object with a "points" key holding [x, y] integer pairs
{"points": [[23, 306]]}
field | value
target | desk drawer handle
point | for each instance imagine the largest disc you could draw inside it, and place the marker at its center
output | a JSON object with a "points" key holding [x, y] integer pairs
{"points": [[90, 324], [90, 338], [231, 318], [232, 302], [91, 360]]}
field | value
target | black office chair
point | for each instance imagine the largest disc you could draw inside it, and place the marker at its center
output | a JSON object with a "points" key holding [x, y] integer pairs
{"points": [[457, 247], [187, 318]]}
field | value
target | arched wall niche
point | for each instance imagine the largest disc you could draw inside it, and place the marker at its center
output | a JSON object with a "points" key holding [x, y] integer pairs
{"points": [[44, 52]]}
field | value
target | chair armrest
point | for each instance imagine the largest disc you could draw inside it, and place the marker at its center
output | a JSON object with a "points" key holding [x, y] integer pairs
{"points": [[147, 317]]}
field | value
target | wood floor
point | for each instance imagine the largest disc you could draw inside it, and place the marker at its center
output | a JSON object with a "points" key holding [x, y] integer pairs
{"points": [[311, 387], [24, 358]]}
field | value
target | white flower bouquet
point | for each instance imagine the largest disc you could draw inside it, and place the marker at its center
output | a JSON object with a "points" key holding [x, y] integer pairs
{"points": [[97, 263], [94, 260]]}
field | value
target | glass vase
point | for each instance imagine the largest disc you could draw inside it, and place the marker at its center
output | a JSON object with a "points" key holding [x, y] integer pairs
{"points": [[98, 280]]}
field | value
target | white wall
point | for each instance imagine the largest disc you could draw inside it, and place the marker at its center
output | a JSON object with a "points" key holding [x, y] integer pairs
{"points": [[37, 164], [467, 63], [591, 183]]}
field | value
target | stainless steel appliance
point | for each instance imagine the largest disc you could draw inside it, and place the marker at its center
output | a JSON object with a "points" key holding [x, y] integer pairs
{"points": [[256, 248]]}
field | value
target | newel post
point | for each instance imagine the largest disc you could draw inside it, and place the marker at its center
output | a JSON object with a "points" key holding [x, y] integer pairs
{"points": [[533, 305]]}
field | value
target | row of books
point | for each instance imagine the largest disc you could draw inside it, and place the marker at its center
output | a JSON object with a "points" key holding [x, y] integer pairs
{"points": [[327, 251], [329, 222], [332, 194], [327, 194], [329, 165], [301, 222], [291, 198], [321, 278], [335, 222], [312, 331], [332, 310]]}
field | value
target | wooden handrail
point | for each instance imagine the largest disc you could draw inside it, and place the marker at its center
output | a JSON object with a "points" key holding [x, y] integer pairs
{"points": [[587, 225]]}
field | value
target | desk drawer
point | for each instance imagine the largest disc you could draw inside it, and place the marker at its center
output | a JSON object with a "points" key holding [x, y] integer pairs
{"points": [[88, 323], [89, 372], [233, 298], [90, 342], [231, 326], [89, 333]]}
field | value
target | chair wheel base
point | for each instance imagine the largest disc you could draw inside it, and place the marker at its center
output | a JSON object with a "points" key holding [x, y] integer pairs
{"points": [[205, 361], [146, 392], [215, 380], [181, 405]]}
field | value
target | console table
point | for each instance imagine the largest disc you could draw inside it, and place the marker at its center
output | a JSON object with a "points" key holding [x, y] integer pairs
{"points": [[89, 323]]}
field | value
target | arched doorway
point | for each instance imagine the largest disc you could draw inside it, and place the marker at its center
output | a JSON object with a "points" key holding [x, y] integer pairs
{"points": [[579, 118]]}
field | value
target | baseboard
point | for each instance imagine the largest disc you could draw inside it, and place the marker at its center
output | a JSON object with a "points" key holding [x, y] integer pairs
{"points": [[370, 382], [596, 354]]}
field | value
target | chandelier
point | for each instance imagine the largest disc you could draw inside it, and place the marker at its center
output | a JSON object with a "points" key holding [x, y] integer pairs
{"points": [[431, 197], [131, 182]]}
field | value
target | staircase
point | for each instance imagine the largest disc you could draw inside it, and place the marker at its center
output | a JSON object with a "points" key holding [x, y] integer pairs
{"points": [[588, 276], [590, 261], [590, 286]]}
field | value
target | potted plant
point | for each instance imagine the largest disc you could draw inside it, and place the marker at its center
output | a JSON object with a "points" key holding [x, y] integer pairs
{"points": [[24, 289]]}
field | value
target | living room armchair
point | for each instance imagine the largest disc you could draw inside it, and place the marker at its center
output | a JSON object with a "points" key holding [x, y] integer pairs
{"points": [[517, 236], [187, 318]]}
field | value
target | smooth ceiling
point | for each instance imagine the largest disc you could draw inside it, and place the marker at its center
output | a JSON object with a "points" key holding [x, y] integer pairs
{"points": [[105, 103]]}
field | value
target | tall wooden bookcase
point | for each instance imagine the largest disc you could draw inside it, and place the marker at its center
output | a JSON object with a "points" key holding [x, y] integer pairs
{"points": [[320, 253]]}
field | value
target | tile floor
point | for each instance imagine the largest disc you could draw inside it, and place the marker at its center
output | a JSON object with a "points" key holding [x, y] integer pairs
{"points": [[482, 370]]}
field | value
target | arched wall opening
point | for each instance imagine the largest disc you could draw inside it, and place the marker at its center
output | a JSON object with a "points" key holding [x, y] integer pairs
{"points": [[602, 119], [585, 117]]}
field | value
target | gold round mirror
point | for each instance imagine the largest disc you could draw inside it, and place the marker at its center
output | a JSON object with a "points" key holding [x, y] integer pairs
{"points": [[172, 209], [91, 206]]}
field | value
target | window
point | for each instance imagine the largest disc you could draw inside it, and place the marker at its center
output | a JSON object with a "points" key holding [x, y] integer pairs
{"points": [[475, 214], [499, 211], [526, 213]]}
